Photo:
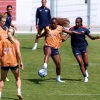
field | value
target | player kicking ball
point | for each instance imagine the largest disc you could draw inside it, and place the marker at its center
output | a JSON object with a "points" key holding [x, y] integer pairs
{"points": [[53, 40]]}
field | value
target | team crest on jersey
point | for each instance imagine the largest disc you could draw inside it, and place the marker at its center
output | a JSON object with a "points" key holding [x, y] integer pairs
{"points": [[40, 10], [46, 10]]}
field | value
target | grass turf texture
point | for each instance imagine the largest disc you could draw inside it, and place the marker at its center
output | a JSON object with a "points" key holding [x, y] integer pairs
{"points": [[36, 88]]}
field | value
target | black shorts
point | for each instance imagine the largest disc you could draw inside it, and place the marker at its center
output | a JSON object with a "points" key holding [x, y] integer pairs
{"points": [[11, 68]]}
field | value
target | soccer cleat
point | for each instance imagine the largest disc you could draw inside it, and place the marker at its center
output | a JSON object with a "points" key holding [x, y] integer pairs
{"points": [[19, 96], [7, 79], [87, 75], [58, 80], [85, 79]]}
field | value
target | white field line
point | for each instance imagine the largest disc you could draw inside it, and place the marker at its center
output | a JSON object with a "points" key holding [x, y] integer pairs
{"points": [[80, 94]]}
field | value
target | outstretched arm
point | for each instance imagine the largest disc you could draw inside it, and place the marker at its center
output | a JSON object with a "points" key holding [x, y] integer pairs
{"points": [[93, 37], [70, 32]]}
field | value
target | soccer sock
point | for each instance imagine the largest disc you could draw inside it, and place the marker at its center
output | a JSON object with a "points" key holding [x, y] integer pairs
{"points": [[19, 91], [35, 45], [58, 77], [0, 94], [85, 75], [45, 65]]}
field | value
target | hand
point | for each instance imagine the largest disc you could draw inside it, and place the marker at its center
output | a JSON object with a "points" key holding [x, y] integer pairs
{"points": [[97, 37], [22, 66], [63, 39]]}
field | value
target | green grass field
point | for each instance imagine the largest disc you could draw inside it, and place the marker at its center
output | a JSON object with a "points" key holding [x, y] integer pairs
{"points": [[36, 88]]}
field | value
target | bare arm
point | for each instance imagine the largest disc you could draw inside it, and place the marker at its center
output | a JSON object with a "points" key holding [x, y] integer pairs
{"points": [[93, 37], [5, 15], [19, 54], [70, 32], [66, 37]]}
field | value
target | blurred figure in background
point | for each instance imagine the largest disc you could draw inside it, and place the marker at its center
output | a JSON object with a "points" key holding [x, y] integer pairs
{"points": [[8, 16], [43, 18]]}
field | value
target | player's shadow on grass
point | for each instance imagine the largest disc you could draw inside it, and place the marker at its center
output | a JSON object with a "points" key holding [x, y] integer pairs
{"points": [[23, 47], [37, 81], [40, 80], [71, 79], [8, 98], [26, 47]]}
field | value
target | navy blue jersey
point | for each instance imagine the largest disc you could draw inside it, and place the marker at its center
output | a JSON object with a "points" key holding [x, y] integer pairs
{"points": [[78, 40], [8, 20], [43, 17]]}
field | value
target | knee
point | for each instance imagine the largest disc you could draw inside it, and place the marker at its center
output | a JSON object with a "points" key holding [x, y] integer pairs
{"points": [[1, 83], [17, 78]]}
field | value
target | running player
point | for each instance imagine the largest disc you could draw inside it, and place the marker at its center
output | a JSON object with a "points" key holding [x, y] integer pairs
{"points": [[53, 40], [43, 18], [79, 45]]}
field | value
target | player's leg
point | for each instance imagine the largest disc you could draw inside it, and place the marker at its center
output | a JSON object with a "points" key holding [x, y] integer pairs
{"points": [[37, 39], [47, 52], [78, 55], [82, 68], [85, 59], [16, 74], [3, 78], [57, 60]]}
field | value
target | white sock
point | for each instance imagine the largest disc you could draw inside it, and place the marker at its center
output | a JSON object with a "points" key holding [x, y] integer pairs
{"points": [[19, 91], [45, 65], [58, 77], [0, 94], [35, 45]]}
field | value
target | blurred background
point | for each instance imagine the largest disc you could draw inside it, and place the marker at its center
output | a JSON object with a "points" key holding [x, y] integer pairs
{"points": [[24, 12]]}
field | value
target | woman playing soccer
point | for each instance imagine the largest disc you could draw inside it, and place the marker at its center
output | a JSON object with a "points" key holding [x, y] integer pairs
{"points": [[79, 45], [10, 59], [53, 40]]}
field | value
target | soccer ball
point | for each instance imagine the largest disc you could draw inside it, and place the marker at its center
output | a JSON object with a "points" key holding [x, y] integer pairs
{"points": [[42, 72]]}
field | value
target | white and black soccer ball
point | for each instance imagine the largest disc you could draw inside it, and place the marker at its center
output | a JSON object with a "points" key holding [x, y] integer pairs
{"points": [[42, 72]]}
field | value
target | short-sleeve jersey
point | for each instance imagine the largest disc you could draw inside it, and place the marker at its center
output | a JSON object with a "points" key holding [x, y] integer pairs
{"points": [[53, 37], [78, 40], [8, 53]]}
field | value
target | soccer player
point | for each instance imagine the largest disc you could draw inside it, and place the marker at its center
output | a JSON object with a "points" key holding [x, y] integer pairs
{"points": [[3, 31], [8, 16], [10, 59], [79, 45], [43, 17], [53, 40]]}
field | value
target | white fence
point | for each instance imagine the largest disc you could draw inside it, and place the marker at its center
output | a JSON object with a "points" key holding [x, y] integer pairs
{"points": [[26, 9]]}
